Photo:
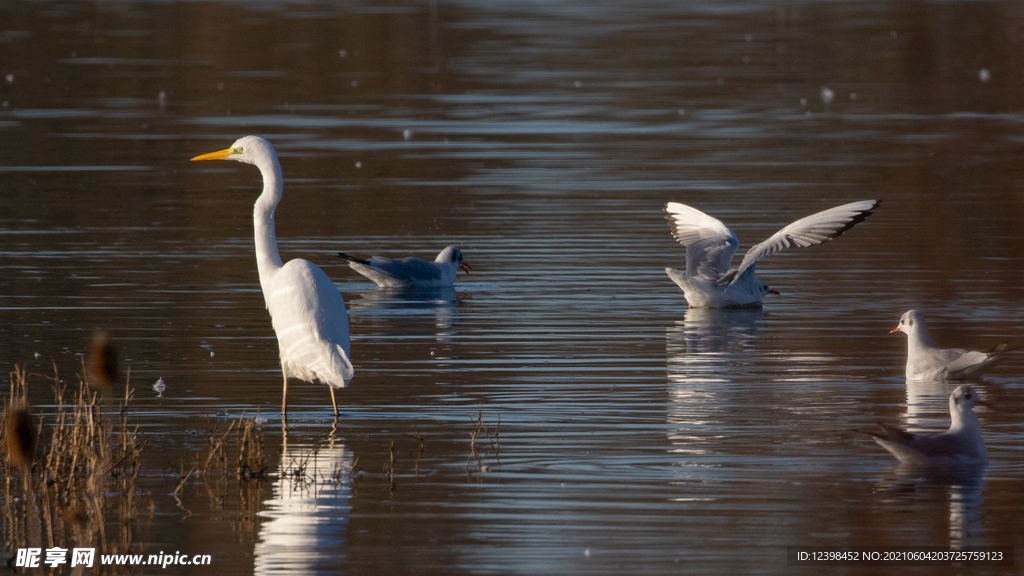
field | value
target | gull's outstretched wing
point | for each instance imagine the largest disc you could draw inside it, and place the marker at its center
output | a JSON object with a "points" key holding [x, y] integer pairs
{"points": [[710, 245], [813, 229]]}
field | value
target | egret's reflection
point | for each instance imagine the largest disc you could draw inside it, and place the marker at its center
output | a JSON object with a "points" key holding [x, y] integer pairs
{"points": [[961, 486], [304, 524]]}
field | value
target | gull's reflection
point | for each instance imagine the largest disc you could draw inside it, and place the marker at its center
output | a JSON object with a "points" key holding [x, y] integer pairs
{"points": [[700, 353], [927, 406], [304, 524], [961, 487], [424, 311], [724, 333], [407, 298]]}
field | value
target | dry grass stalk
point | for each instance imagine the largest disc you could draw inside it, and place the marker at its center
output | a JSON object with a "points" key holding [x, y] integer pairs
{"points": [[422, 439], [218, 453], [243, 442], [389, 468], [85, 478], [477, 452], [252, 460]]}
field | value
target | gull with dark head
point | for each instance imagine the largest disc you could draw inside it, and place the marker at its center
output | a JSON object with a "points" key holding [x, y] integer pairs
{"points": [[926, 361], [962, 444], [411, 272], [708, 282]]}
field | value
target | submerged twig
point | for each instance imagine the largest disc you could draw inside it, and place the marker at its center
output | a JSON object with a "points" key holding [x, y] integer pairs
{"points": [[481, 432]]}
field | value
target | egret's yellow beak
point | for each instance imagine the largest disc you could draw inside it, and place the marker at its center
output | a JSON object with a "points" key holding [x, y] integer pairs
{"points": [[218, 155]]}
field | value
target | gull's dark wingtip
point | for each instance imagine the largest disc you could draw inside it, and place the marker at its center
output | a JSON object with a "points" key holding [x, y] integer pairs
{"points": [[354, 259], [858, 218], [872, 433]]}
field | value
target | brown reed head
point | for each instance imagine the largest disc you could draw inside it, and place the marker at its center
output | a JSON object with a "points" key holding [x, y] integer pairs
{"points": [[20, 434], [102, 361]]}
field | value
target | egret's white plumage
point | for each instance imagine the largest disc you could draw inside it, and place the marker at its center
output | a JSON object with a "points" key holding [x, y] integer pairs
{"points": [[926, 361], [710, 246], [961, 444], [411, 272], [306, 309]]}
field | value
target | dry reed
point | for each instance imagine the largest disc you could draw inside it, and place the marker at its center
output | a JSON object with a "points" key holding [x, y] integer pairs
{"points": [[478, 452], [80, 491]]}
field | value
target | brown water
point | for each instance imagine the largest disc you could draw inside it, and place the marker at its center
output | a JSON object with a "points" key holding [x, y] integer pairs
{"points": [[625, 433]]}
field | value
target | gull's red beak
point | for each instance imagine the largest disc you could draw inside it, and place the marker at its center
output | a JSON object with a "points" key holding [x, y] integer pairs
{"points": [[465, 267], [774, 291], [895, 330]]}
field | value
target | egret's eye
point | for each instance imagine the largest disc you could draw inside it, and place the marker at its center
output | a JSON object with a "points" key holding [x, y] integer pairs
{"points": [[237, 150]]}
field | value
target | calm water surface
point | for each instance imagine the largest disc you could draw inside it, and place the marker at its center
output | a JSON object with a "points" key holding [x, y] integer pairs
{"points": [[617, 431]]}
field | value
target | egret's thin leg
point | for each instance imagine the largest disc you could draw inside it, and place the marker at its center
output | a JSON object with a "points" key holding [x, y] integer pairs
{"points": [[333, 402], [284, 395]]}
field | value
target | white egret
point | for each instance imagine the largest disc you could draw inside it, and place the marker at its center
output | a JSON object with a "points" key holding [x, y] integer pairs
{"points": [[926, 361], [710, 245], [306, 309], [411, 272]]}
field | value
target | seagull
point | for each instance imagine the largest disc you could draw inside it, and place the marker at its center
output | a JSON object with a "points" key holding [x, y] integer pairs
{"points": [[710, 245], [306, 310], [159, 386], [926, 361], [961, 444], [411, 272]]}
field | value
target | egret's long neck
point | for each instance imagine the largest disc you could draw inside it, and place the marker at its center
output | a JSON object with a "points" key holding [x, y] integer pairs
{"points": [[268, 259]]}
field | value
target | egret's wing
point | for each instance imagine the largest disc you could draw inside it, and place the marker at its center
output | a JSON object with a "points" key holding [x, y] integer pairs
{"points": [[311, 323], [813, 229], [710, 245]]}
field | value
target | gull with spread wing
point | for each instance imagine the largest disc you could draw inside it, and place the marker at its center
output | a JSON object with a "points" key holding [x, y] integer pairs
{"points": [[961, 444], [710, 245]]}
